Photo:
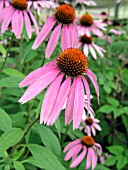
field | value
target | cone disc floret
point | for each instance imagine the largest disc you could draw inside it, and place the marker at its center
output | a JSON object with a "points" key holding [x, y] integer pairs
{"points": [[89, 121], [72, 62], [20, 4], [85, 39], [65, 14], [86, 20], [88, 141]]}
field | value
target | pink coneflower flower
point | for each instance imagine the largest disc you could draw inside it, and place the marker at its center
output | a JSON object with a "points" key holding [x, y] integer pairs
{"points": [[66, 77], [64, 18], [41, 4], [87, 25], [17, 13], [116, 31], [4, 3], [81, 148], [90, 126], [86, 2], [88, 45]]}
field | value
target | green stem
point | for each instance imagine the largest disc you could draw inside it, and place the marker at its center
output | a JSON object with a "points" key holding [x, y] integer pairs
{"points": [[65, 134], [6, 56], [26, 132], [20, 54]]}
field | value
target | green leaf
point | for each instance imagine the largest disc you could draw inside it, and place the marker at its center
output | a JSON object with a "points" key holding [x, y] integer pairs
{"points": [[113, 101], [117, 112], [49, 139], [101, 167], [122, 162], [125, 121], [2, 49], [106, 109], [13, 72], [5, 121], [10, 81], [58, 127], [18, 154], [43, 158], [18, 165], [110, 161], [10, 138], [107, 89], [116, 150]]}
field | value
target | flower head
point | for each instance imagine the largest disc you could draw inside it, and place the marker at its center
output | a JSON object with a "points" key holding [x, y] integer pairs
{"points": [[16, 13], [90, 125], [63, 17], [88, 45], [81, 148], [87, 24], [66, 77]]}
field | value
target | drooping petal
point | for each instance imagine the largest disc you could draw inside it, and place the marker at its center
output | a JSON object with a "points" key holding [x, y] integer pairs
{"points": [[92, 52], [53, 41], [88, 160], [50, 99], [97, 126], [87, 31], [78, 103], [85, 49], [39, 85], [93, 158], [6, 20], [77, 152], [72, 151], [93, 130], [28, 24], [70, 103], [65, 39], [87, 89], [34, 22], [99, 148], [33, 76], [98, 50], [79, 159], [44, 32], [61, 98], [4, 12], [96, 31], [21, 22], [75, 35], [72, 144], [94, 83]]}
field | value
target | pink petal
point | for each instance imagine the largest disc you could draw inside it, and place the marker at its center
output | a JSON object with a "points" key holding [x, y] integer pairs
{"points": [[85, 49], [97, 31], [98, 50], [33, 76], [15, 23], [4, 12], [99, 148], [72, 151], [65, 39], [87, 31], [94, 83], [75, 35], [44, 32], [21, 22], [97, 126], [88, 160], [78, 103], [6, 20], [28, 24], [92, 52], [70, 103], [93, 158], [61, 98], [50, 99], [78, 160], [34, 22], [93, 131], [76, 152], [53, 41], [72, 144], [87, 89], [34, 89]]}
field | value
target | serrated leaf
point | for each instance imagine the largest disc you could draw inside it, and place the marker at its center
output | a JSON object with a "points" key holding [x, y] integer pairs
{"points": [[110, 161], [43, 158], [13, 72], [5, 121], [10, 81], [122, 162], [49, 139], [2, 49], [116, 150], [106, 109], [10, 138], [18, 165], [113, 101]]}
